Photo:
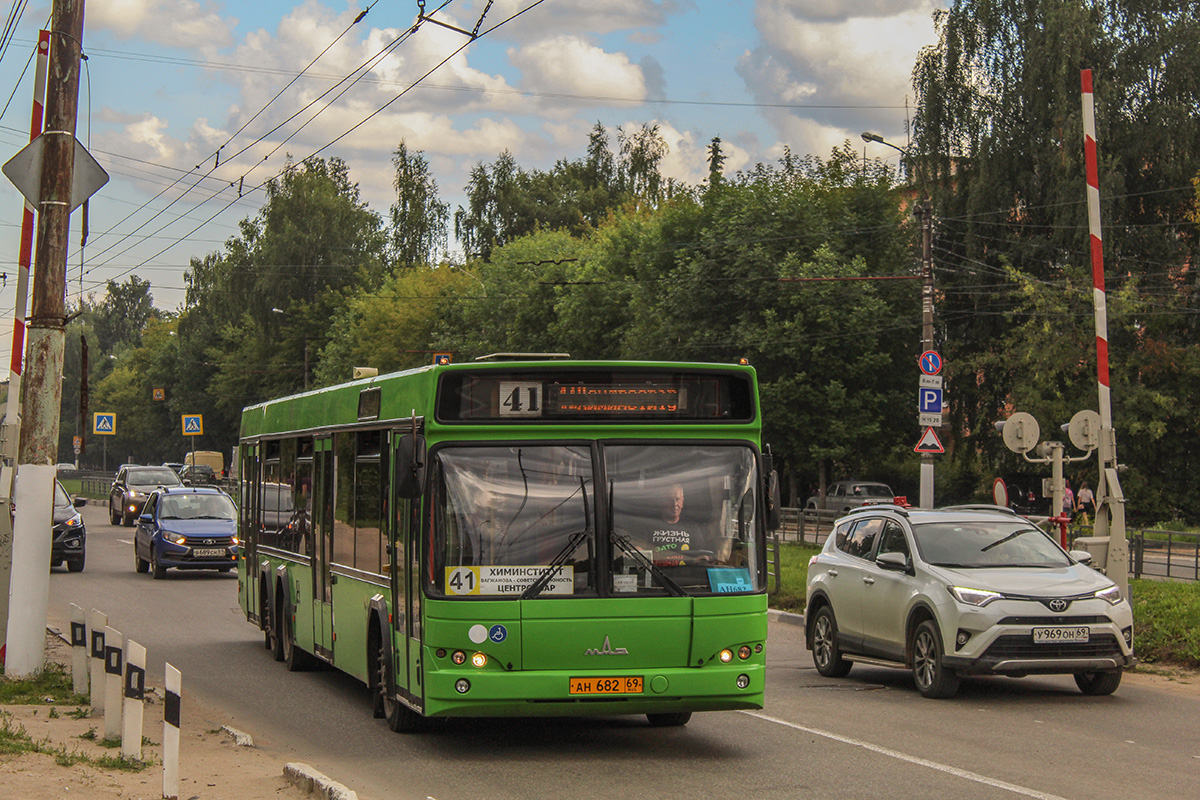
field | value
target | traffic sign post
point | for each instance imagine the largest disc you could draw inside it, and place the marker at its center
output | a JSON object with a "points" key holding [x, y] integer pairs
{"points": [[929, 408], [193, 425]]}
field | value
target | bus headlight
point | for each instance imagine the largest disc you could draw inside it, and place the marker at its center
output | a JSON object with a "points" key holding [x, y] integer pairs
{"points": [[726, 656], [743, 681], [478, 660], [744, 652]]}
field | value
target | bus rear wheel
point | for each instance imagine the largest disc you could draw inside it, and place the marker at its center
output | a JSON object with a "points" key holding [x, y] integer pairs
{"points": [[673, 720], [295, 659]]}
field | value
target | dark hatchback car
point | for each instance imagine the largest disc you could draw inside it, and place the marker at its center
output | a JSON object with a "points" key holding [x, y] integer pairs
{"points": [[186, 527], [198, 475], [131, 489], [69, 541]]}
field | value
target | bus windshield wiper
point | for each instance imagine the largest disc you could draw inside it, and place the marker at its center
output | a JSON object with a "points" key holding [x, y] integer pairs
{"points": [[556, 563], [671, 586]]}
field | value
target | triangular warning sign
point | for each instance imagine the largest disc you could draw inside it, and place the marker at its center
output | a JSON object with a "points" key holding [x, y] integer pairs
{"points": [[929, 443]]}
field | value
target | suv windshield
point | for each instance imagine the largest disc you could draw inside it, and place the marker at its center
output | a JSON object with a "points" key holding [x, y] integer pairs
{"points": [[153, 476], [197, 506], [680, 519], [985, 543]]}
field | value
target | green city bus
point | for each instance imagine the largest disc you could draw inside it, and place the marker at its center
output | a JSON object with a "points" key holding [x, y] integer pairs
{"points": [[516, 536]]}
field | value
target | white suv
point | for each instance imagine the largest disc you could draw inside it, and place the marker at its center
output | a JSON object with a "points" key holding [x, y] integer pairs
{"points": [[959, 591]]}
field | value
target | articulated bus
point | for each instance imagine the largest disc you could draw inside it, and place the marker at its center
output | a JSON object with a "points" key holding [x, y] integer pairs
{"points": [[516, 537]]}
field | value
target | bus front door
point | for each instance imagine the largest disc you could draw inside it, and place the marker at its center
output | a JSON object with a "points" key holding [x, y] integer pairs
{"points": [[323, 481]]}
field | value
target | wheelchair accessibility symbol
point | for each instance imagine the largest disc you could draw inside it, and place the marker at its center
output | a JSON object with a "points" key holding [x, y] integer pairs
{"points": [[498, 633]]}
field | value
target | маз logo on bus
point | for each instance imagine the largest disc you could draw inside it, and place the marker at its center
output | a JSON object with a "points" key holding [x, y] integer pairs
{"points": [[606, 650]]}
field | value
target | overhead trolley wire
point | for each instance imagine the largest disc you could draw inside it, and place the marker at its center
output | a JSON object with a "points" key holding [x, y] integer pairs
{"points": [[215, 155], [344, 134]]}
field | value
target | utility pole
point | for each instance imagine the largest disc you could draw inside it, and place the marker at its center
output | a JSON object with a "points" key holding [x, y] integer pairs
{"points": [[42, 389], [924, 211]]}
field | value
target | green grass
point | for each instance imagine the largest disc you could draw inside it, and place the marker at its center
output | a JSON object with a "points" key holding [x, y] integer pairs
{"points": [[14, 740], [793, 566], [1166, 622], [52, 686]]}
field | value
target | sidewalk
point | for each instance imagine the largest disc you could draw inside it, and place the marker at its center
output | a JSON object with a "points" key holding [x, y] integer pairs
{"points": [[211, 765]]}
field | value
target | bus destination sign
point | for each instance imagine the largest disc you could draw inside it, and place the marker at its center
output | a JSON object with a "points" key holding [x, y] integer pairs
{"points": [[607, 395]]}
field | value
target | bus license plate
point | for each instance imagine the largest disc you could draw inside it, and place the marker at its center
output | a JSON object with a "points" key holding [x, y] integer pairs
{"points": [[209, 552], [606, 685], [1055, 635]]}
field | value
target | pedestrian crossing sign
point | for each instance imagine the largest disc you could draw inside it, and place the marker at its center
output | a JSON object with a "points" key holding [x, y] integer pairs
{"points": [[193, 424], [104, 424]]}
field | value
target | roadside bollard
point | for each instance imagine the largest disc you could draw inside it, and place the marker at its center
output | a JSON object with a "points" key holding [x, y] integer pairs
{"points": [[135, 695], [171, 703], [97, 622], [112, 683], [79, 650]]}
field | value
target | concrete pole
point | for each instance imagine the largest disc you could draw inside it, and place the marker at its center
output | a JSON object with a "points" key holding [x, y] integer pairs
{"points": [[12, 412], [925, 212], [42, 393]]}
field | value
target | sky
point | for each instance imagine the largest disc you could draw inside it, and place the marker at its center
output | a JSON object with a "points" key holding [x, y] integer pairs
{"points": [[170, 83]]}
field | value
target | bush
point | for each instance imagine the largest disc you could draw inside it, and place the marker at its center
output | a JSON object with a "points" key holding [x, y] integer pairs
{"points": [[1166, 622]]}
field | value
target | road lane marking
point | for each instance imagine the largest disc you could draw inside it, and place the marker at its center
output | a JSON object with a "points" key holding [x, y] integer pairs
{"points": [[923, 762]]}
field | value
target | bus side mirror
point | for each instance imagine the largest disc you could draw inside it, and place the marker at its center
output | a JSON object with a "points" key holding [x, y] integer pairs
{"points": [[774, 502], [410, 466]]}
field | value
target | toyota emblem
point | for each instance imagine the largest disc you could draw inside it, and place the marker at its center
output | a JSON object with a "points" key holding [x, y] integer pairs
{"points": [[1058, 604]]}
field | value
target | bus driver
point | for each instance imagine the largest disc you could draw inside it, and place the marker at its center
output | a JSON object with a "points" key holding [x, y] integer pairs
{"points": [[674, 544]]}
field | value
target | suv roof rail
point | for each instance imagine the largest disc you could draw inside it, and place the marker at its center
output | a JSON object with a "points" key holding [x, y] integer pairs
{"points": [[980, 507], [901, 510]]}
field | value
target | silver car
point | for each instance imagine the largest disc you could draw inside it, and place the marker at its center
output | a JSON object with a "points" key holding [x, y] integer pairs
{"points": [[963, 591], [846, 495]]}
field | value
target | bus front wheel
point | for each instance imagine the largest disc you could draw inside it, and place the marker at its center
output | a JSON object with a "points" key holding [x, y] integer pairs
{"points": [[400, 718]]}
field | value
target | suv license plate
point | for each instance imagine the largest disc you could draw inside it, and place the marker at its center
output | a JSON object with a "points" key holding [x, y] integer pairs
{"points": [[606, 685], [216, 552], [1055, 635]]}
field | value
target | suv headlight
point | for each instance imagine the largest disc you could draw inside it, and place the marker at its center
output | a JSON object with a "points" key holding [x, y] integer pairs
{"points": [[974, 597], [1112, 594]]}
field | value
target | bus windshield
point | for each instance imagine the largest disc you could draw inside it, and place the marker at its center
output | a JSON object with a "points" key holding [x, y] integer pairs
{"points": [[679, 519], [683, 515], [505, 514]]}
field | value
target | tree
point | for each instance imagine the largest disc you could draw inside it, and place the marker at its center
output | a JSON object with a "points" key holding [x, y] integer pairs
{"points": [[419, 216], [123, 313], [998, 137]]}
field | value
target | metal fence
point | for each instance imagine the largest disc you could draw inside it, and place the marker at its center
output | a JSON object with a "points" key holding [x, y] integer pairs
{"points": [[1162, 555]]}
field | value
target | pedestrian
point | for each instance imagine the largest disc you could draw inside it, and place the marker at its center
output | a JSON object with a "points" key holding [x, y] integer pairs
{"points": [[1085, 502], [1068, 503]]}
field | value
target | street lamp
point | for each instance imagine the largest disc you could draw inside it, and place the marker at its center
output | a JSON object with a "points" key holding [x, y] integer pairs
{"points": [[923, 211]]}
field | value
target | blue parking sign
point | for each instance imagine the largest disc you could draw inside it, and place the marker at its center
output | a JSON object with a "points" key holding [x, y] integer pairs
{"points": [[929, 400]]}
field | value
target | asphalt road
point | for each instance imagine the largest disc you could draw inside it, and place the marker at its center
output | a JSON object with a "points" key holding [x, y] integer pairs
{"points": [[866, 736]]}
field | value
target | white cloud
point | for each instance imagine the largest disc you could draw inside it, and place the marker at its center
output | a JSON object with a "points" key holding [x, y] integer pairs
{"points": [[176, 23], [570, 16], [147, 132], [571, 65], [858, 54]]}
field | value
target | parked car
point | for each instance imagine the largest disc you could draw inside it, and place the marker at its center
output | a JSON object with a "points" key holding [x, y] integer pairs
{"points": [[69, 542], [963, 591], [187, 527], [65, 468], [173, 465], [132, 486], [198, 474], [845, 495]]}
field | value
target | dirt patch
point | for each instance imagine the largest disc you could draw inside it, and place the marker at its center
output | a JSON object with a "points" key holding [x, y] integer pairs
{"points": [[211, 766]]}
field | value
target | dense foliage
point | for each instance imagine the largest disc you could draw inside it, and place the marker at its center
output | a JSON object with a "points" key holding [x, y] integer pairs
{"points": [[603, 257]]}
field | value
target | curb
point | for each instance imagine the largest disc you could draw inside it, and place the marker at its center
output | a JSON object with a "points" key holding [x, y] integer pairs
{"points": [[305, 777], [786, 617]]}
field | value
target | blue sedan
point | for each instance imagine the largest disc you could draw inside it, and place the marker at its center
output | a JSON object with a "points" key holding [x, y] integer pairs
{"points": [[186, 528]]}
